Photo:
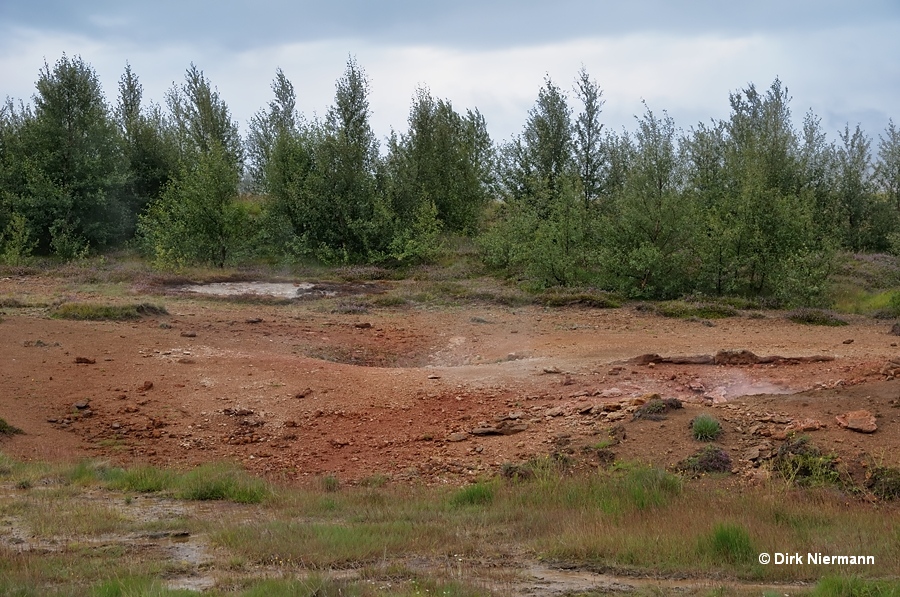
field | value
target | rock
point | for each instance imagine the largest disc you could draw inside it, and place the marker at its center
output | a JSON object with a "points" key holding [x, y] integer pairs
{"points": [[459, 436], [848, 341], [81, 405], [805, 425], [186, 361], [552, 370], [586, 409], [434, 377], [146, 386], [611, 393], [362, 326], [751, 454], [611, 407], [303, 393], [567, 381], [616, 416], [485, 431], [556, 411], [84, 361], [696, 386], [188, 334], [253, 320], [857, 420]]}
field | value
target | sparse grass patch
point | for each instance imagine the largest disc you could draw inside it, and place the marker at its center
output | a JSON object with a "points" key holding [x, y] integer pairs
{"points": [[705, 428], [853, 586], [221, 482], [96, 312], [144, 479], [8, 430], [815, 317], [701, 310], [585, 298]]}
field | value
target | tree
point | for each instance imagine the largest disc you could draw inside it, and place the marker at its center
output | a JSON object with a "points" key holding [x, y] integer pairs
{"points": [[197, 219], [887, 170], [350, 220], [443, 158], [202, 120], [854, 187], [269, 127], [588, 147], [648, 237], [70, 163], [149, 150]]}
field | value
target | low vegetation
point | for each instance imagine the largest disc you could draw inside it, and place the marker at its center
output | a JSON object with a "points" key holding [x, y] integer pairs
{"points": [[815, 317], [103, 312], [631, 518], [705, 428]]}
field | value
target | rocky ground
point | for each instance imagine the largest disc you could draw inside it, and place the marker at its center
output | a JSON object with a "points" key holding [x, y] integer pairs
{"points": [[434, 394]]}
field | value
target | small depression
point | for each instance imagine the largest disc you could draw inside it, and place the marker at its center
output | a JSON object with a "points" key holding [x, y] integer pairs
{"points": [[287, 290]]}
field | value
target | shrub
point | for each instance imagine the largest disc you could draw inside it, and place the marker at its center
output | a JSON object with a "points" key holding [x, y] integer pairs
{"points": [[710, 459], [884, 482], [706, 428], [655, 409], [800, 462]]}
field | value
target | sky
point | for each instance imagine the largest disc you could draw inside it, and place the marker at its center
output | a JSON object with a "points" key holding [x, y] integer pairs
{"points": [[837, 58]]}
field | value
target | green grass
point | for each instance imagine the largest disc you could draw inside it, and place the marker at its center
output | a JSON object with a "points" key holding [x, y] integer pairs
{"points": [[702, 310], [852, 586], [799, 461], [221, 482], [730, 543], [97, 312], [706, 428], [479, 494]]}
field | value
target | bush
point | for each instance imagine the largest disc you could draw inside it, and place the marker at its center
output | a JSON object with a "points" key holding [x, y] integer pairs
{"points": [[800, 462], [656, 408], [884, 482], [706, 428], [711, 459]]}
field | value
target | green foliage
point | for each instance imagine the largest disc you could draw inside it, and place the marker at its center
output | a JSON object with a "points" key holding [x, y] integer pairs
{"points": [[656, 408], [478, 494], [729, 543], [884, 482], [197, 220], [144, 479], [222, 482], [95, 312], [65, 175], [16, 243], [706, 428], [704, 310], [649, 487], [798, 461]]}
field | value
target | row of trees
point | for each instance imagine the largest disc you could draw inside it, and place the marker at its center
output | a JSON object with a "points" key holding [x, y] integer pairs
{"points": [[746, 205]]}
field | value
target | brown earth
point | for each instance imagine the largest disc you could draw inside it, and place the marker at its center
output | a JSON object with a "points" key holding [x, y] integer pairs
{"points": [[422, 393]]}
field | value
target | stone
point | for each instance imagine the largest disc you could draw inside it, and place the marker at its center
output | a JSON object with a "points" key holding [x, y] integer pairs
{"points": [[805, 425], [81, 405], [146, 386], [556, 411], [611, 393], [363, 325], [459, 436], [254, 320], [84, 361], [857, 420], [616, 416], [188, 334], [848, 341]]}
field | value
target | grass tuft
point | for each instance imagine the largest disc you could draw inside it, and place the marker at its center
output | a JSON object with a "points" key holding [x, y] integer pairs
{"points": [[884, 482], [706, 428], [656, 408], [479, 494], [96, 312], [729, 543], [222, 482], [798, 461]]}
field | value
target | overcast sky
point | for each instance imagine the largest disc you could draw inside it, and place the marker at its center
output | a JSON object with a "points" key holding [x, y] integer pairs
{"points": [[838, 58]]}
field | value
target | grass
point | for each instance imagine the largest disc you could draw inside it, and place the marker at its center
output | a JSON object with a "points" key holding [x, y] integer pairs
{"points": [[631, 519], [706, 428], [701, 310], [798, 461], [8, 430], [221, 482], [656, 408], [97, 312], [815, 317]]}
